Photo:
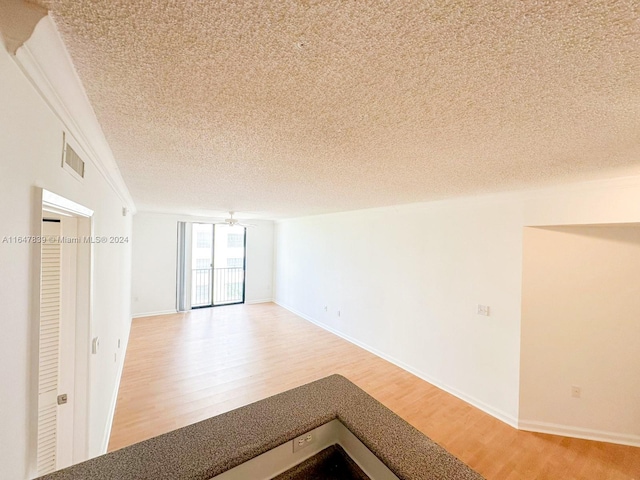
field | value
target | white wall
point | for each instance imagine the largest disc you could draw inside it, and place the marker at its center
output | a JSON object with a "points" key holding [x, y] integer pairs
{"points": [[154, 262], [260, 244], [30, 151], [407, 279], [580, 327], [153, 283]]}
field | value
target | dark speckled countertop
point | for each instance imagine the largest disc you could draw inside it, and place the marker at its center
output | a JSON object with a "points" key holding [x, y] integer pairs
{"points": [[208, 448]]}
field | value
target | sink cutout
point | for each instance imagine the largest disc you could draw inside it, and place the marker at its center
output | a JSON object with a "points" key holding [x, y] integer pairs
{"points": [[311, 456], [332, 462]]}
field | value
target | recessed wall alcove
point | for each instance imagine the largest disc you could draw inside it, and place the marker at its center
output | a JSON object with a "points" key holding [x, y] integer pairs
{"points": [[580, 331]]}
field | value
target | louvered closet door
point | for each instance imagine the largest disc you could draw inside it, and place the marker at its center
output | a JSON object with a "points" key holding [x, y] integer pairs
{"points": [[49, 350]]}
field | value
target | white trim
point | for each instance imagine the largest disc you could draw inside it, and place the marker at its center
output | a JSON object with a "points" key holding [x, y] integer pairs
{"points": [[154, 314], [83, 367], [169, 312], [44, 60], [577, 432], [526, 425], [59, 205], [55, 202], [114, 398], [494, 412], [263, 300]]}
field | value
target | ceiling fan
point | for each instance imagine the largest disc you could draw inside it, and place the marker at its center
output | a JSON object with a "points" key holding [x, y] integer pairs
{"points": [[234, 222]]}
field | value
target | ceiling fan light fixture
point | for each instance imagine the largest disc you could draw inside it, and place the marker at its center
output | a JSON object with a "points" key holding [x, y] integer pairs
{"points": [[234, 222]]}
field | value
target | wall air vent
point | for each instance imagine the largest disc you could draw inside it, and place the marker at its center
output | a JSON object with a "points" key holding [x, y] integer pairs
{"points": [[71, 161]]}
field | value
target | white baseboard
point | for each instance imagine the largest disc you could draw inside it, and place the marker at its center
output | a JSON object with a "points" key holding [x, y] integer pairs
{"points": [[153, 314], [264, 300], [494, 412], [168, 312], [577, 432], [114, 396], [527, 425]]}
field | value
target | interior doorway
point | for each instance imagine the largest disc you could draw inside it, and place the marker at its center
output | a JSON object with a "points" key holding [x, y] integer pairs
{"points": [[218, 262], [63, 334]]}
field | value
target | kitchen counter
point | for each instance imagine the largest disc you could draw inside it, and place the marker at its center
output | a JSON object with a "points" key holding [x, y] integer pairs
{"points": [[210, 447]]}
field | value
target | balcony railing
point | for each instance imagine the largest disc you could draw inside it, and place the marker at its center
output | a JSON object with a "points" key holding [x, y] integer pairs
{"points": [[228, 286], [201, 287]]}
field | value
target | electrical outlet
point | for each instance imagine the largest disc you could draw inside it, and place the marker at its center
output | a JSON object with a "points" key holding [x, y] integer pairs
{"points": [[338, 312], [576, 391], [326, 308], [483, 310], [302, 441]]}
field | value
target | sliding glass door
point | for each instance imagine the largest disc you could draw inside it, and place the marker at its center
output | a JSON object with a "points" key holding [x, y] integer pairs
{"points": [[202, 265], [217, 264], [229, 264]]}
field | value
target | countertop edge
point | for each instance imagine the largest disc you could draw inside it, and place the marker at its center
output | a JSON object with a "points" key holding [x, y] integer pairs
{"points": [[210, 447]]}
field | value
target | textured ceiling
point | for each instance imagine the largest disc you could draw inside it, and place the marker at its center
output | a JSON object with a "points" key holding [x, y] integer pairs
{"points": [[284, 108]]}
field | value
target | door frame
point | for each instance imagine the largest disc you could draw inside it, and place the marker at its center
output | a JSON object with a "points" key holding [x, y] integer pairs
{"points": [[185, 269], [190, 264], [80, 295], [244, 268]]}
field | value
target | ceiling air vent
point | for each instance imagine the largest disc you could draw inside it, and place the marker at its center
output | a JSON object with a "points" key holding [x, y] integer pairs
{"points": [[71, 161]]}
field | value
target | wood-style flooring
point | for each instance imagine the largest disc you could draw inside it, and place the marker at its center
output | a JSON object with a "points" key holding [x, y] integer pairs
{"points": [[183, 368]]}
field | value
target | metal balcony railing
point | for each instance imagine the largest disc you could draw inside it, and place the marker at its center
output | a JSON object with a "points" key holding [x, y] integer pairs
{"points": [[228, 286], [201, 287]]}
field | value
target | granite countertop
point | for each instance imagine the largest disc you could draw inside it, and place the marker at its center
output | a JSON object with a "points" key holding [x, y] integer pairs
{"points": [[210, 447]]}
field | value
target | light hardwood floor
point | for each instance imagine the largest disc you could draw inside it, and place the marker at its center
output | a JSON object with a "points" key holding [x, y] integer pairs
{"points": [[183, 368]]}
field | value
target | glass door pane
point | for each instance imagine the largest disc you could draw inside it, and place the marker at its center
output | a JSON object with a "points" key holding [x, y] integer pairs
{"points": [[202, 265], [229, 264]]}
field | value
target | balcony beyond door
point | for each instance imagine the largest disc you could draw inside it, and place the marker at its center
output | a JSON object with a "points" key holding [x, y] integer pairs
{"points": [[217, 265]]}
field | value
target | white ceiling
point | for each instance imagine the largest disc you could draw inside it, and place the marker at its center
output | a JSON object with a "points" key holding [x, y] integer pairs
{"points": [[293, 107]]}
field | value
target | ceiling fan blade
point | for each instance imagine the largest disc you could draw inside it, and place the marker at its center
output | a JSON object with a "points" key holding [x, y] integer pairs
{"points": [[234, 222]]}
